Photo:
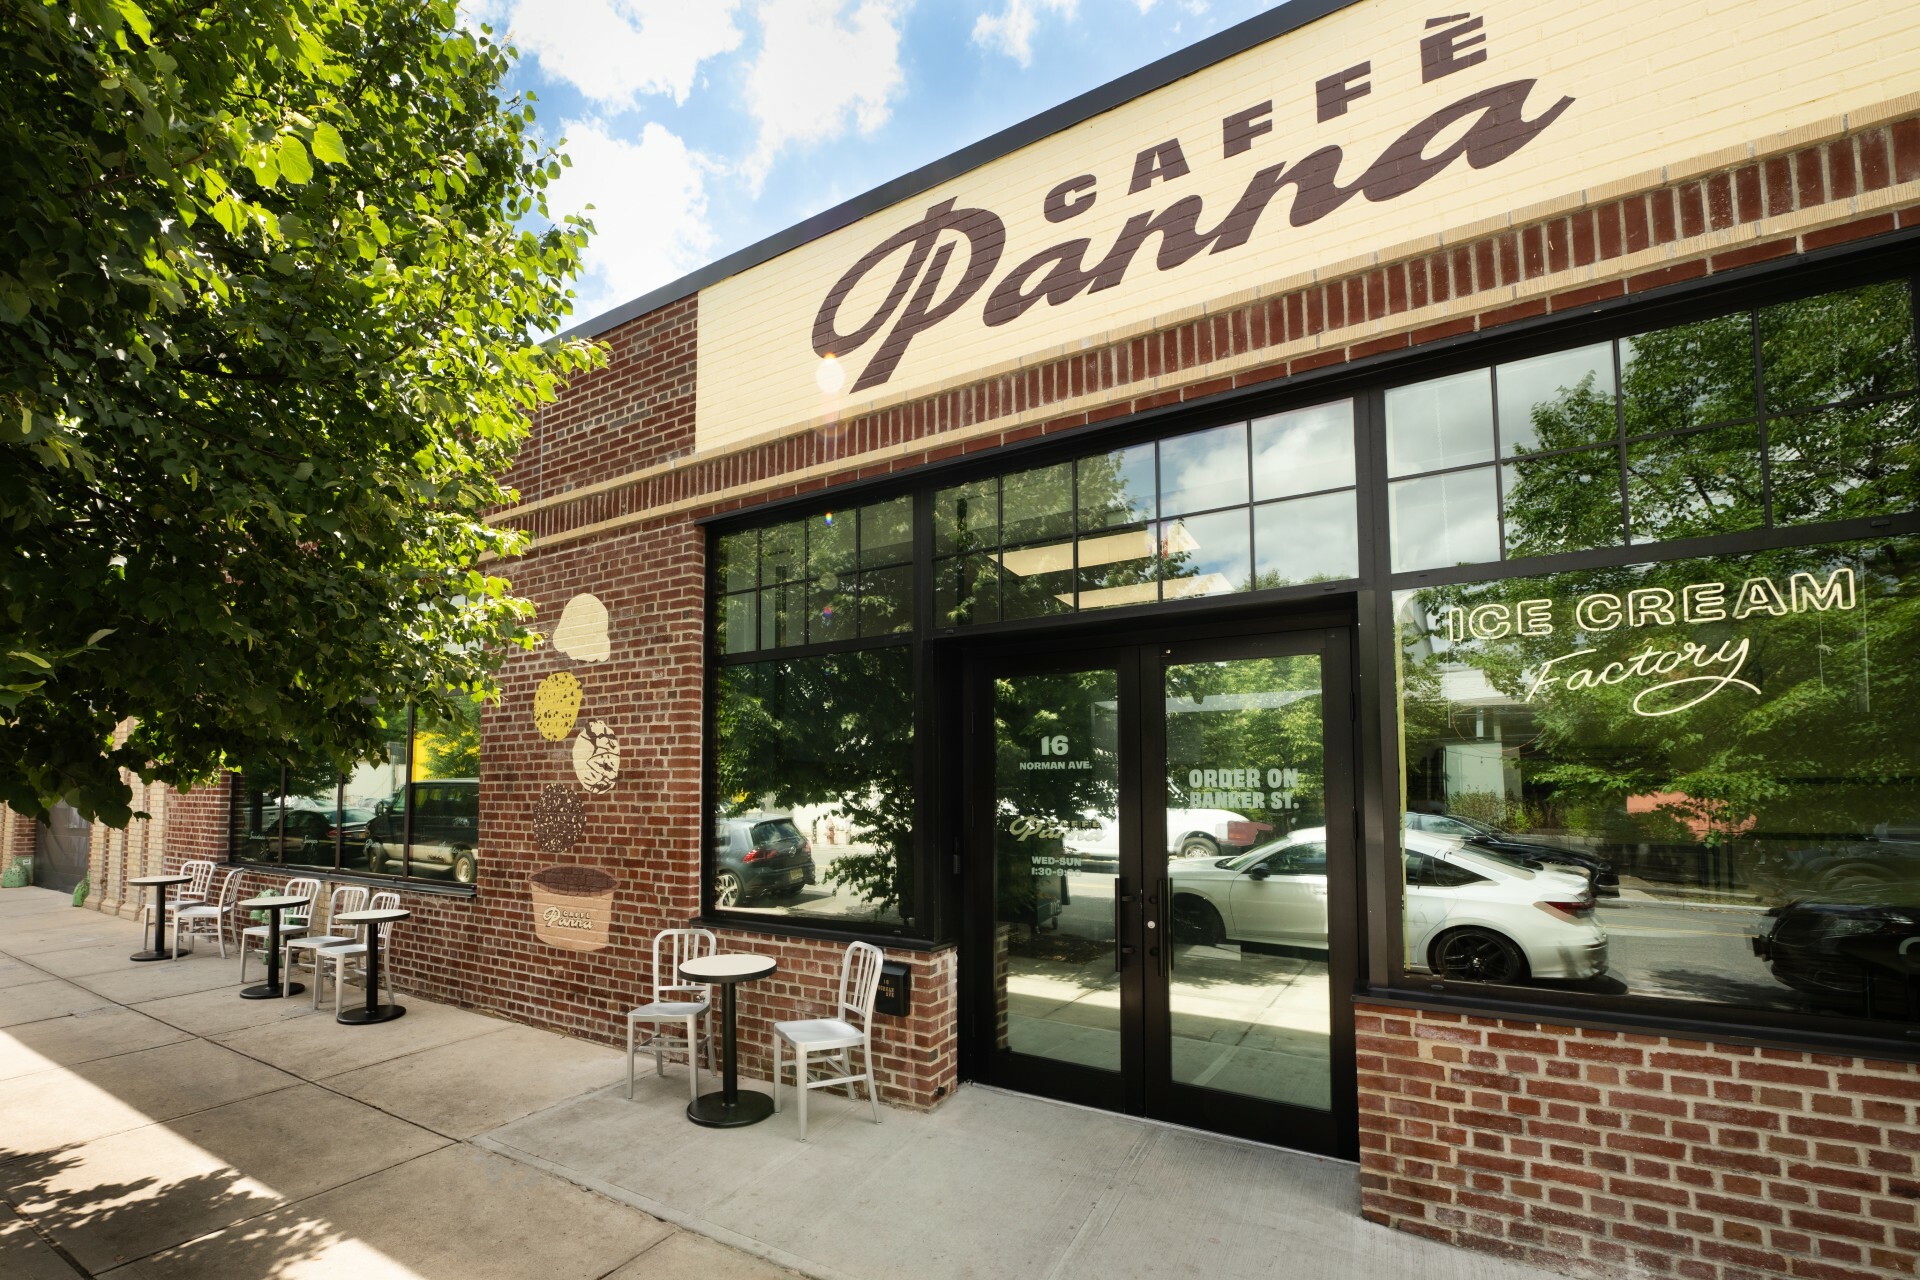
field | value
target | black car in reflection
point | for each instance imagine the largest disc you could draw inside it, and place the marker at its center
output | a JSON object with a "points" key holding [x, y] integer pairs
{"points": [[445, 831], [1841, 868], [1598, 871], [761, 856], [306, 837], [1860, 957]]}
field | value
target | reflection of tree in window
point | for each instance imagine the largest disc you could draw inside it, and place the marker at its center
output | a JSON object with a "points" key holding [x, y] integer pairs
{"points": [[1840, 368], [1713, 796], [832, 730], [1251, 713]]}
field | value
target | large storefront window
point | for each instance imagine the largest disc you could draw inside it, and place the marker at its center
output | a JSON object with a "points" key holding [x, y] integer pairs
{"points": [[813, 765], [1790, 414], [1696, 780], [1249, 506], [837, 575], [308, 817]]}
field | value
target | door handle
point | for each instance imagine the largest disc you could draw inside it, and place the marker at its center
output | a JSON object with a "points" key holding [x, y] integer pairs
{"points": [[1162, 901], [1120, 949]]}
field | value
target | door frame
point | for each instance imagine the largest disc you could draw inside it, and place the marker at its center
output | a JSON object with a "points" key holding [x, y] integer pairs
{"points": [[1332, 634], [1330, 1132]]}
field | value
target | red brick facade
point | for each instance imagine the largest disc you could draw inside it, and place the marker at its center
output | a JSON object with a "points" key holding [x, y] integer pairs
{"points": [[1609, 1154], [1796, 200]]}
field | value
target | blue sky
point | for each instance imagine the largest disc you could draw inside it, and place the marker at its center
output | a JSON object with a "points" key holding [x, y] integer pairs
{"points": [[697, 127]]}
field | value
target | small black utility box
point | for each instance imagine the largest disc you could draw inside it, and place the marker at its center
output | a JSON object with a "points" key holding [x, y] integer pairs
{"points": [[896, 989]]}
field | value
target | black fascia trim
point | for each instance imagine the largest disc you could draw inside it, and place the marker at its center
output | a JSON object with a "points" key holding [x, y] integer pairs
{"points": [[1175, 66], [1633, 1022], [442, 889]]}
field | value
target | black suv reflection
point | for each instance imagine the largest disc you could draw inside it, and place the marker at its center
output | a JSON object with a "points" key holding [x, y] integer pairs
{"points": [[446, 831], [1598, 871], [1860, 957], [763, 856], [1842, 868]]}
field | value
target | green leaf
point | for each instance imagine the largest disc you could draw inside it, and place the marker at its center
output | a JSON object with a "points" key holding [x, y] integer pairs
{"points": [[327, 145], [295, 167]]}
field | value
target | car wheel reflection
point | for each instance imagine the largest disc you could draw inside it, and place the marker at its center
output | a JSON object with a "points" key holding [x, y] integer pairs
{"points": [[1196, 922], [1478, 955]]}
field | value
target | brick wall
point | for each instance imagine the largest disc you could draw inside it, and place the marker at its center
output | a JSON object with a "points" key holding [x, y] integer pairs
{"points": [[636, 410], [17, 836], [1609, 1154], [1791, 194]]}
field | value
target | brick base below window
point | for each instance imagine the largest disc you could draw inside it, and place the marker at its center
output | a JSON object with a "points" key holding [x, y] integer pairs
{"points": [[1601, 1153]]}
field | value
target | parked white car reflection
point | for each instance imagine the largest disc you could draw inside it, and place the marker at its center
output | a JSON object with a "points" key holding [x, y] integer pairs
{"points": [[1191, 833], [1471, 914]]}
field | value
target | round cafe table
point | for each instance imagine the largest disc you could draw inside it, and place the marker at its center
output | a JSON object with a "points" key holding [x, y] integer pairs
{"points": [[159, 886], [731, 1107], [374, 1011], [271, 988]]}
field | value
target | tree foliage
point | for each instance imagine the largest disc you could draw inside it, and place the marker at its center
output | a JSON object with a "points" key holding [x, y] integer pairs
{"points": [[1818, 741], [266, 300]]}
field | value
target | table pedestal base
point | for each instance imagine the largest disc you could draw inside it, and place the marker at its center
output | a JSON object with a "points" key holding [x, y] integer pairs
{"points": [[271, 991], [360, 1015], [713, 1110], [153, 955]]}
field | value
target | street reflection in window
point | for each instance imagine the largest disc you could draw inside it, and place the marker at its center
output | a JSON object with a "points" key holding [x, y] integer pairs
{"points": [[1696, 780]]}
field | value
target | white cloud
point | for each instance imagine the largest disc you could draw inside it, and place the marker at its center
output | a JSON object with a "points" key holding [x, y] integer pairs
{"points": [[1011, 30], [823, 65], [615, 50], [649, 214]]}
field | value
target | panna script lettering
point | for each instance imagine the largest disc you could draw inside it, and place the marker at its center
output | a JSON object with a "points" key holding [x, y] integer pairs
{"points": [[1720, 668], [1482, 129], [563, 918], [1026, 828]]}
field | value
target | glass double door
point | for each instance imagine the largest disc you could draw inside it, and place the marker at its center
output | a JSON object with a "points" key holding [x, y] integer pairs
{"points": [[1164, 914]]}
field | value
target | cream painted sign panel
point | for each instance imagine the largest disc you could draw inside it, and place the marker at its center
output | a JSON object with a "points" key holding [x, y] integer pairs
{"points": [[1374, 126]]}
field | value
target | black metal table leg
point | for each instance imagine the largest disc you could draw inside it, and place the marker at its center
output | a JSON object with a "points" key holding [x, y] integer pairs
{"points": [[159, 951], [729, 1108]]}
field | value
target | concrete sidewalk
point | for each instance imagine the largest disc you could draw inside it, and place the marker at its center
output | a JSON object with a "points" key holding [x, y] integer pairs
{"points": [[153, 1124]]}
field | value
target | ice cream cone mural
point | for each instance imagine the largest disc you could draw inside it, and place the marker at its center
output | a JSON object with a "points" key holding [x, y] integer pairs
{"points": [[556, 705], [573, 905], [596, 757], [582, 633]]}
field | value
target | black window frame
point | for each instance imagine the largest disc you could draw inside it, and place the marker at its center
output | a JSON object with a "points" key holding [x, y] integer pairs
{"points": [[1382, 980], [1388, 982], [240, 805]]}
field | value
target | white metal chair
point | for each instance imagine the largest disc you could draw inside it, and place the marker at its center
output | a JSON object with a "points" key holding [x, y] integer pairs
{"points": [[341, 952], [191, 894], [216, 912], [294, 921], [859, 984], [348, 897], [686, 1014]]}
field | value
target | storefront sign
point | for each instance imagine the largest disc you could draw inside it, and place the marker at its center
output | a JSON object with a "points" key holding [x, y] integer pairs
{"points": [[921, 295], [1379, 124], [1676, 675], [1657, 606], [1239, 788]]}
